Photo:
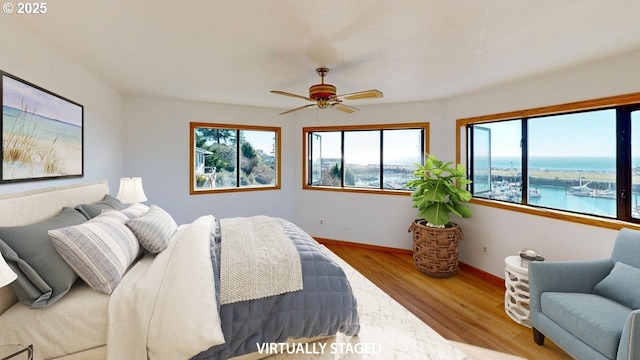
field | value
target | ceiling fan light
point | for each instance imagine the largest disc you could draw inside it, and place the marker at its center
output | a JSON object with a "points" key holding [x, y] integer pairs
{"points": [[324, 95], [322, 104], [322, 92]]}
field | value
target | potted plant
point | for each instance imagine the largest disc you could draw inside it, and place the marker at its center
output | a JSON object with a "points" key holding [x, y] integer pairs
{"points": [[439, 191]]}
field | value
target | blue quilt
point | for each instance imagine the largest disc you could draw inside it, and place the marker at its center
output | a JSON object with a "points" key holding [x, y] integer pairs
{"points": [[324, 307]]}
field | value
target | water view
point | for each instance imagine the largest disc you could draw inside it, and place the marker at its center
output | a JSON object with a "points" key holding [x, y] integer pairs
{"points": [[37, 146], [580, 184]]}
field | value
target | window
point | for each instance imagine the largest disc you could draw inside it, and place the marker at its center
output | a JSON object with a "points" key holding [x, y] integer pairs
{"points": [[496, 164], [372, 158], [234, 158], [581, 158], [635, 164]]}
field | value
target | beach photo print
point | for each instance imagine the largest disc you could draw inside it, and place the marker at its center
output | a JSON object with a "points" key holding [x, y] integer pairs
{"points": [[42, 134]]}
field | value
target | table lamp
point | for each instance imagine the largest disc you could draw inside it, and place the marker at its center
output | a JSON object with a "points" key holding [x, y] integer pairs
{"points": [[6, 274], [131, 190]]}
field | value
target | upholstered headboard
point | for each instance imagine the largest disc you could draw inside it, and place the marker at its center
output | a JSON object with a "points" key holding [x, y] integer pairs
{"points": [[33, 206]]}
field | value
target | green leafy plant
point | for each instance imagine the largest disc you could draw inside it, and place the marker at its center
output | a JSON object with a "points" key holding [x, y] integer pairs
{"points": [[440, 190]]}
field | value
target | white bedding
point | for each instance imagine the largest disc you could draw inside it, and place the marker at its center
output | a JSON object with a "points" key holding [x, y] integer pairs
{"points": [[36, 205], [261, 261], [165, 307], [78, 323], [59, 329]]}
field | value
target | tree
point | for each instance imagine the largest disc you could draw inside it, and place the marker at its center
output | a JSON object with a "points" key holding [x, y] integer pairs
{"points": [[335, 171], [223, 157], [349, 177], [249, 158], [333, 176]]}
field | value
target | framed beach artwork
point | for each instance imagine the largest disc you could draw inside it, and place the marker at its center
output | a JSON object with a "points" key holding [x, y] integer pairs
{"points": [[42, 133]]}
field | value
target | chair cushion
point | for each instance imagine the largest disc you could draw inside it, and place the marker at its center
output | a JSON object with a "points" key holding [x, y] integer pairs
{"points": [[621, 285], [627, 247], [594, 319]]}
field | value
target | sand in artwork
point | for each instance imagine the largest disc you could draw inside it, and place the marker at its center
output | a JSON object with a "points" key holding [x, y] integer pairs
{"points": [[35, 146]]}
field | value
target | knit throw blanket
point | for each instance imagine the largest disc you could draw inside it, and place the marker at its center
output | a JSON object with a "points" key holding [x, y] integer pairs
{"points": [[257, 260]]}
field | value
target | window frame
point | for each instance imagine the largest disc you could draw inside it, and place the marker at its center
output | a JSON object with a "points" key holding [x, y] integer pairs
{"points": [[278, 157], [627, 101], [424, 126]]}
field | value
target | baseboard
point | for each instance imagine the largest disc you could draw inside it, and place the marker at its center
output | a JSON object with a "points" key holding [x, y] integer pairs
{"points": [[498, 281], [363, 246]]}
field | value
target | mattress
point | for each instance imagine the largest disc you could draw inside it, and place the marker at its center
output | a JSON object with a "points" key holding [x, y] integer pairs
{"points": [[78, 330]]}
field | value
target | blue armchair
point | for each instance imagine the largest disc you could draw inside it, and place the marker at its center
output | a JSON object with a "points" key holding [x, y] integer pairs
{"points": [[591, 309]]}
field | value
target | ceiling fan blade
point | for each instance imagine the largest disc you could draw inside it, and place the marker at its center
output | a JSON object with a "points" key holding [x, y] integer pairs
{"points": [[343, 107], [290, 94], [368, 94], [298, 108]]}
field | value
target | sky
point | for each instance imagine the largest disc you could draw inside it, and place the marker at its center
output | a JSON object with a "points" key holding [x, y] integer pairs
{"points": [[589, 134], [363, 147], [260, 140], [44, 104]]}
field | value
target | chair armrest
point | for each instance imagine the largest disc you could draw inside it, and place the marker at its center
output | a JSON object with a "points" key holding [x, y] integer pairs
{"points": [[629, 348], [565, 276]]}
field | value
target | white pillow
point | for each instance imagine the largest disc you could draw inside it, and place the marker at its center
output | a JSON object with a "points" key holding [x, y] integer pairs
{"points": [[135, 210], [153, 229], [99, 250]]}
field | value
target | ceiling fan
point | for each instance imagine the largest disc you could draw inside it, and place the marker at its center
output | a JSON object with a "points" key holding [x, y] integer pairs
{"points": [[324, 95]]}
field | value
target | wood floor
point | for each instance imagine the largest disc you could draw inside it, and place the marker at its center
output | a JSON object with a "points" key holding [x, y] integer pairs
{"points": [[467, 308]]}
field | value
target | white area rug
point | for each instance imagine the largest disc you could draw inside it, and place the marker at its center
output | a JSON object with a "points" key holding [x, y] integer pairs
{"points": [[388, 331]]}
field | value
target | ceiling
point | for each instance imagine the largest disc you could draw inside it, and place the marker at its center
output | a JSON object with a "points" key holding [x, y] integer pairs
{"points": [[236, 51]]}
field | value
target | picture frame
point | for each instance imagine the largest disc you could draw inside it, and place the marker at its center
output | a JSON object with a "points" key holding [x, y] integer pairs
{"points": [[42, 133]]}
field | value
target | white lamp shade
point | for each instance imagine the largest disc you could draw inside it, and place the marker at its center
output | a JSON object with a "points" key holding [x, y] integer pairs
{"points": [[131, 190], [6, 274]]}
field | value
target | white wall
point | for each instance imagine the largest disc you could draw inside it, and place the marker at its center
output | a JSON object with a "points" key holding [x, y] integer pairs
{"points": [[157, 147], [383, 220], [149, 137], [26, 56], [158, 150], [506, 232], [364, 218]]}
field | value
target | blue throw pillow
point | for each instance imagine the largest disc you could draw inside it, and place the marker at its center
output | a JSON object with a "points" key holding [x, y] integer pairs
{"points": [[92, 210], [621, 285], [43, 275]]}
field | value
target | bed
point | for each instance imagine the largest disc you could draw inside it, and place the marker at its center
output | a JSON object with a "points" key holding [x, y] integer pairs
{"points": [[152, 310]]}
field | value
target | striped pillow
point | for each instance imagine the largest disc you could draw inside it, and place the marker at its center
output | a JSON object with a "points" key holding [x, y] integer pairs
{"points": [[99, 250], [135, 210], [153, 229]]}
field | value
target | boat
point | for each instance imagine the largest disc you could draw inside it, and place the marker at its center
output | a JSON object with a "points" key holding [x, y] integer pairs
{"points": [[586, 191], [605, 193], [534, 194], [608, 193], [581, 190], [508, 191]]}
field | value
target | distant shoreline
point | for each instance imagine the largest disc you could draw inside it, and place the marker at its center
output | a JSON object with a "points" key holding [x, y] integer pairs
{"points": [[567, 175]]}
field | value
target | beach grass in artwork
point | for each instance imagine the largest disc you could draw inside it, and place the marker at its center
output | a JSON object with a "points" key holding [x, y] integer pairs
{"points": [[41, 134]]}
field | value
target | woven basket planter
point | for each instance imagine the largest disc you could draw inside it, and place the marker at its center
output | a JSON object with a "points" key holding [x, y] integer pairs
{"points": [[435, 250]]}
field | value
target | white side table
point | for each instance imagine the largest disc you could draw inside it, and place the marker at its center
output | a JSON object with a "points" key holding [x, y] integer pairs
{"points": [[516, 296]]}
